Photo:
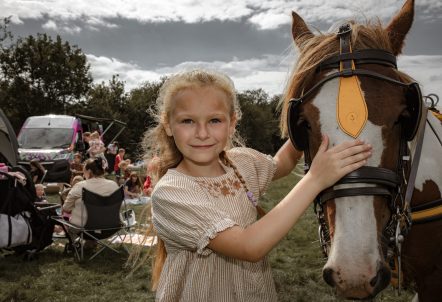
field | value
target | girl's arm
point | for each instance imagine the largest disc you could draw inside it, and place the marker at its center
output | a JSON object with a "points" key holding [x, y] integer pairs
{"points": [[286, 159], [256, 240]]}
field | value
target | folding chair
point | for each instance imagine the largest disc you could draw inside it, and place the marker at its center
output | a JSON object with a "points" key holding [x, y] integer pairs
{"points": [[103, 221]]}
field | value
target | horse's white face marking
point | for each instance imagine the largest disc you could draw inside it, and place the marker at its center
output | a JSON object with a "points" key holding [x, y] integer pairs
{"points": [[431, 149], [355, 251]]}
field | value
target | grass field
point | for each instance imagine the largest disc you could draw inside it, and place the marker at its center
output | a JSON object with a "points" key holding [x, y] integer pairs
{"points": [[297, 262]]}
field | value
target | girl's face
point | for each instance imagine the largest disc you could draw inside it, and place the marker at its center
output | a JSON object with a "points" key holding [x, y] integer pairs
{"points": [[201, 123]]}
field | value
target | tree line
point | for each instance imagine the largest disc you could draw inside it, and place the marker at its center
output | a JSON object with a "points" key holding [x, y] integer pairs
{"points": [[41, 75]]}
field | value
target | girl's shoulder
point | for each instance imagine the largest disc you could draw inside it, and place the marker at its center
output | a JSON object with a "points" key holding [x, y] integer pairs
{"points": [[244, 156], [174, 182]]}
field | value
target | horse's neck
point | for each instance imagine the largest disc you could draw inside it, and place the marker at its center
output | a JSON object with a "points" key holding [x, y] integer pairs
{"points": [[429, 175]]}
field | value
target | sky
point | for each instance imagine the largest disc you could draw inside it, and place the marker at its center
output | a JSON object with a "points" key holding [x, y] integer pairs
{"points": [[249, 40]]}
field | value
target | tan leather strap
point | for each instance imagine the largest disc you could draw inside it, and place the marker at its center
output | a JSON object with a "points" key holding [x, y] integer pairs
{"points": [[352, 112]]}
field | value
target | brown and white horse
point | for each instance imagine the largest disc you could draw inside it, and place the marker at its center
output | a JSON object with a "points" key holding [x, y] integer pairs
{"points": [[361, 226]]}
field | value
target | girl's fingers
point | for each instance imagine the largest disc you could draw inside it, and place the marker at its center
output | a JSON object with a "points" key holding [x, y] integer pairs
{"points": [[362, 156], [346, 145], [358, 149]]}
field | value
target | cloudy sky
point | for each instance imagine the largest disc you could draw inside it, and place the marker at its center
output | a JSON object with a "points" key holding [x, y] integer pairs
{"points": [[250, 40]]}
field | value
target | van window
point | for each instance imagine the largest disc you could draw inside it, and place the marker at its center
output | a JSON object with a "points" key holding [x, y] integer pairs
{"points": [[45, 138]]}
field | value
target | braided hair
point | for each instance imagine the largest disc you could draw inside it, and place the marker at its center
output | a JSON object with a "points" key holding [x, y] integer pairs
{"points": [[226, 161]]}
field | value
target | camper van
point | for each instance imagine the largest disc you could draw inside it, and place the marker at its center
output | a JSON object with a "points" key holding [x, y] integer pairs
{"points": [[53, 140]]}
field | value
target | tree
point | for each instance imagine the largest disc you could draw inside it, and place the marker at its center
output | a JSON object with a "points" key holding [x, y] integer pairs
{"points": [[259, 125], [39, 76]]}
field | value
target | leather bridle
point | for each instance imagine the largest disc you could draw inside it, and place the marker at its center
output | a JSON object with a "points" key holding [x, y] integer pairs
{"points": [[396, 186]]}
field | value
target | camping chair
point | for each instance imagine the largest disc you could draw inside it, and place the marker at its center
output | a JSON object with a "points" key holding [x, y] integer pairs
{"points": [[103, 222]]}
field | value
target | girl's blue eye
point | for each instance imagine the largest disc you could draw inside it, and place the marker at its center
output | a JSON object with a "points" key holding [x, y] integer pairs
{"points": [[215, 120], [187, 121]]}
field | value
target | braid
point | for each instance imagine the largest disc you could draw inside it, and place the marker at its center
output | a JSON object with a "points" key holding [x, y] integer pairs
{"points": [[226, 161]]}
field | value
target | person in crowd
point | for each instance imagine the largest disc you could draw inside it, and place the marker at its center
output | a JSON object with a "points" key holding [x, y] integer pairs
{"points": [[67, 188], [118, 158], [205, 204], [94, 182], [37, 171], [124, 171], [96, 148], [76, 166], [111, 153], [40, 194], [133, 186]]}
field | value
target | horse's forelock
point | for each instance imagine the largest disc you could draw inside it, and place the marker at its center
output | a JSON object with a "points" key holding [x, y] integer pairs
{"points": [[370, 35]]}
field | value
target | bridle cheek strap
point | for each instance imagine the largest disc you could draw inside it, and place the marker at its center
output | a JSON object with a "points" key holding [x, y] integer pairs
{"points": [[352, 112]]}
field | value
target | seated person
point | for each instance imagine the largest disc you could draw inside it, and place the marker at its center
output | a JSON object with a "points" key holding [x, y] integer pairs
{"points": [[95, 182], [40, 192], [37, 171], [132, 186], [124, 172], [76, 166], [67, 187]]}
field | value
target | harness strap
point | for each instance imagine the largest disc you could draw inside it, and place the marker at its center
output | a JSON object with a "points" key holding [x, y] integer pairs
{"points": [[415, 160], [427, 212], [362, 191]]}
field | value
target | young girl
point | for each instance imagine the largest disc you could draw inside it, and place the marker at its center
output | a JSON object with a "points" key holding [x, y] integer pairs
{"points": [[211, 245], [132, 186], [96, 148]]}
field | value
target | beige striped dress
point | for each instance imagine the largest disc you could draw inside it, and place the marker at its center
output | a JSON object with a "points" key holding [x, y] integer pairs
{"points": [[189, 211]]}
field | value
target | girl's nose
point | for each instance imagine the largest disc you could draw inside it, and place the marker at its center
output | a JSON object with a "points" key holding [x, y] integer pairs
{"points": [[202, 131]]}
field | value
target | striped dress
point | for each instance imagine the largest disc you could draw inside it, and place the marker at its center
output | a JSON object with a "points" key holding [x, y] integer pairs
{"points": [[189, 211]]}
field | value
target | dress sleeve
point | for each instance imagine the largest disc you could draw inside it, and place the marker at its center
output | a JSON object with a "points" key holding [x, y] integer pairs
{"points": [[256, 168], [185, 218]]}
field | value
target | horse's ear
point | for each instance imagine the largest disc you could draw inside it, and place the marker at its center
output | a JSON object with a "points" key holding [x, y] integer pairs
{"points": [[400, 25], [301, 33]]}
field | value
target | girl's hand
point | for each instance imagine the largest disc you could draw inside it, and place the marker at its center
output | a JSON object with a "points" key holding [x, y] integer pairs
{"points": [[330, 165]]}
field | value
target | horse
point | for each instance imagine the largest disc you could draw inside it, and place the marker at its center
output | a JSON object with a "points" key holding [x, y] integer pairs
{"points": [[384, 219]]}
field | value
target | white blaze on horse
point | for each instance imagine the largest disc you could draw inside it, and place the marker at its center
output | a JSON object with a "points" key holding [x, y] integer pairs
{"points": [[347, 85]]}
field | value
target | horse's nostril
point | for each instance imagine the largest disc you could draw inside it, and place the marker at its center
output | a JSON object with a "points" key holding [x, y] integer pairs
{"points": [[327, 274], [381, 280], [374, 280]]}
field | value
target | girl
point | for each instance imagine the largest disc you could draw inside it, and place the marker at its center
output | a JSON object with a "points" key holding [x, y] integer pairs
{"points": [[211, 245], [132, 186], [96, 148]]}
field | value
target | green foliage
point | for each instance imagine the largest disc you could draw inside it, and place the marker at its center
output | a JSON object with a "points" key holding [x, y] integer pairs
{"points": [[39, 75], [259, 122]]}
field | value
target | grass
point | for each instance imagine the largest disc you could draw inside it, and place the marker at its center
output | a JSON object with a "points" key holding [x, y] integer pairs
{"points": [[296, 261]]}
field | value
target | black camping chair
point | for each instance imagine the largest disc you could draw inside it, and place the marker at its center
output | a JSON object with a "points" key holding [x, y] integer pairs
{"points": [[104, 221]]}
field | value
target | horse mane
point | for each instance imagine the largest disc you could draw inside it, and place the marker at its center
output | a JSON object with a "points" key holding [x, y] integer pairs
{"points": [[320, 47]]}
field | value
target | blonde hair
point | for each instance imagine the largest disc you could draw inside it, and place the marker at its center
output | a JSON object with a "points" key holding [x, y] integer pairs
{"points": [[95, 135], [157, 144]]}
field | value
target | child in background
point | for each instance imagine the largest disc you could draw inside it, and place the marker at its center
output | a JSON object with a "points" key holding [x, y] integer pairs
{"points": [[40, 192], [97, 148], [124, 172], [132, 186], [76, 166], [118, 158], [211, 247]]}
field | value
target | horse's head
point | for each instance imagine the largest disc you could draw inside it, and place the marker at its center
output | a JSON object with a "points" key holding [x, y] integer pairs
{"points": [[356, 219]]}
